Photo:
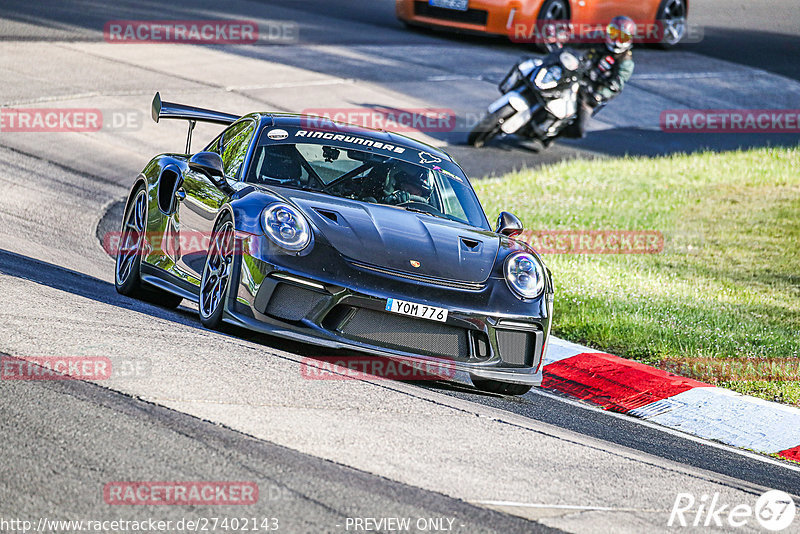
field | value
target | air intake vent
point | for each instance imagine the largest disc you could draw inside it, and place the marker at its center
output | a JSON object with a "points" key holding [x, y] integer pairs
{"points": [[331, 215], [407, 334], [471, 244], [519, 347], [292, 303]]}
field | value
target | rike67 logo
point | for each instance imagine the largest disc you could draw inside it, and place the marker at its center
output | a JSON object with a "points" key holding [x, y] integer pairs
{"points": [[773, 511]]}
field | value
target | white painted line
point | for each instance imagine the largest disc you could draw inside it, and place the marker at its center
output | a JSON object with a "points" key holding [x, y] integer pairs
{"points": [[668, 430], [730, 417], [686, 75], [283, 85], [562, 506], [451, 78]]}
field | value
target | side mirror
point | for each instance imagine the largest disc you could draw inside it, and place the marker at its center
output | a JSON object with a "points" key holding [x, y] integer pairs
{"points": [[208, 163], [508, 224]]}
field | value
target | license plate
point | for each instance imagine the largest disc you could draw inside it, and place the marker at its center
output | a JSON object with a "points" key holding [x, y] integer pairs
{"points": [[458, 5], [416, 310]]}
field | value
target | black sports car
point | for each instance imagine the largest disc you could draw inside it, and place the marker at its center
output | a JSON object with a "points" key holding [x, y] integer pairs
{"points": [[338, 236]]}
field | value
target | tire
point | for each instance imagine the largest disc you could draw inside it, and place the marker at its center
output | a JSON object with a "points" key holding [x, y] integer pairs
{"points": [[552, 10], [127, 268], [672, 15], [215, 282], [502, 388], [489, 127]]}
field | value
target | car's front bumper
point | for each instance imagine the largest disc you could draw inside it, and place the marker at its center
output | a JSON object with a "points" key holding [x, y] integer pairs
{"points": [[325, 300], [497, 17]]}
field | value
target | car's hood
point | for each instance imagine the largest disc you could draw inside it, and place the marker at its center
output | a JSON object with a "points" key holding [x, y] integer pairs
{"points": [[395, 238]]}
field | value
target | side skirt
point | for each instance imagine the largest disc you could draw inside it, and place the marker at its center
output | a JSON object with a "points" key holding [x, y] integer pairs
{"points": [[155, 276]]}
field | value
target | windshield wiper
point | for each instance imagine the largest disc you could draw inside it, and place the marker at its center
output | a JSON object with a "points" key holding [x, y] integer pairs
{"points": [[426, 212]]}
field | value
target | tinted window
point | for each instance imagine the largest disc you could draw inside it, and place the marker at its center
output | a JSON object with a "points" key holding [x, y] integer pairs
{"points": [[366, 177], [235, 142]]}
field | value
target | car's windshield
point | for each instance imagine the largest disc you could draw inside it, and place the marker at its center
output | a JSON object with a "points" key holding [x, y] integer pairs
{"points": [[366, 177]]}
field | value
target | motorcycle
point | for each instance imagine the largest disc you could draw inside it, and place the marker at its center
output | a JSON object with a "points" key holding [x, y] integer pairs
{"points": [[540, 98]]}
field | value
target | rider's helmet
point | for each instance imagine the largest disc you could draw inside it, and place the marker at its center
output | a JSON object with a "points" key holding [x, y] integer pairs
{"points": [[415, 180], [619, 34]]}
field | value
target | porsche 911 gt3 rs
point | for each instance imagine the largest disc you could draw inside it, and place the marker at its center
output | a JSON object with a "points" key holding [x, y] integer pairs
{"points": [[338, 236]]}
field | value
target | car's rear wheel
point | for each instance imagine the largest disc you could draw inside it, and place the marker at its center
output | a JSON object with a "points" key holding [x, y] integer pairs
{"points": [[215, 281], [127, 271], [672, 15], [502, 388]]}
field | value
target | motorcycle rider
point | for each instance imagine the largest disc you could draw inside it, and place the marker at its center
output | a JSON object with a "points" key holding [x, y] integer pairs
{"points": [[611, 67]]}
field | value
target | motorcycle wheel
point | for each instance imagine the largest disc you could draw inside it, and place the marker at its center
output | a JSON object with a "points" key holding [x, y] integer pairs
{"points": [[489, 126]]}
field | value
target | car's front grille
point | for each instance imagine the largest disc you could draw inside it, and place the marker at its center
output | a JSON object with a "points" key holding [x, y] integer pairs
{"points": [[408, 334], [519, 347], [445, 282], [470, 16], [292, 303]]}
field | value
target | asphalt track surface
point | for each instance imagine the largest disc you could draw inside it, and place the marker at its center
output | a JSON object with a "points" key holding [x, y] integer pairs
{"points": [[186, 420]]}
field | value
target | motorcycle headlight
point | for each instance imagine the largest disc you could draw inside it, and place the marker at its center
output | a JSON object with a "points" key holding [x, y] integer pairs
{"points": [[524, 275], [286, 226]]}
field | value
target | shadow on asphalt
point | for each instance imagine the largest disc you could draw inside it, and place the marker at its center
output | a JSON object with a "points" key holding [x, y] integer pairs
{"points": [[82, 285], [640, 142]]}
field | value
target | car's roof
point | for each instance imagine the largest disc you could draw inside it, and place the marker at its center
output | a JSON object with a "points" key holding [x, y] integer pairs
{"points": [[321, 123]]}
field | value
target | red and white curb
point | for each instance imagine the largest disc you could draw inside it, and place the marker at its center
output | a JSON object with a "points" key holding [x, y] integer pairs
{"points": [[673, 401]]}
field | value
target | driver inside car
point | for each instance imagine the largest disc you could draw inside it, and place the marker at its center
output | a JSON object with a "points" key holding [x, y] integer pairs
{"points": [[411, 184]]}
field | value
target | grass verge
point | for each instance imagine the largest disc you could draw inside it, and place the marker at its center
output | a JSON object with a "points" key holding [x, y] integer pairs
{"points": [[725, 288]]}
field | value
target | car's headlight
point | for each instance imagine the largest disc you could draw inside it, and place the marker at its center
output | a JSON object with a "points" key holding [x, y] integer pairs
{"points": [[286, 226], [524, 275]]}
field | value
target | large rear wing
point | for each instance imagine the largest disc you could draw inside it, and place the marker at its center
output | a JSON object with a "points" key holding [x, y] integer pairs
{"points": [[171, 110]]}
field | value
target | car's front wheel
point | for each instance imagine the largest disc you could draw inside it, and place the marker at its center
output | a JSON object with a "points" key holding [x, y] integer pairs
{"points": [[502, 388], [215, 282]]}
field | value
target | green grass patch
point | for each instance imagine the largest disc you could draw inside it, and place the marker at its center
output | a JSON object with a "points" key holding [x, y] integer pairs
{"points": [[727, 284]]}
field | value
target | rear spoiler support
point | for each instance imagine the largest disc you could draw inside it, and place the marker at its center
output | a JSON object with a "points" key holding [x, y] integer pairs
{"points": [[192, 124], [171, 110]]}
